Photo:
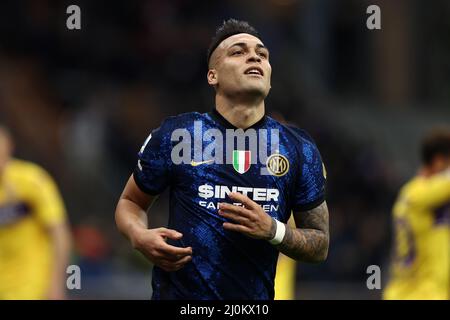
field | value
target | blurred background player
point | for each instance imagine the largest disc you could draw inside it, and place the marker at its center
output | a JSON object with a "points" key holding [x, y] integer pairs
{"points": [[34, 236], [421, 263], [286, 275]]}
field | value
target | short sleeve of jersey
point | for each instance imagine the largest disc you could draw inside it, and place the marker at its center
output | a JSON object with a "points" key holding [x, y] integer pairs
{"points": [[152, 172], [311, 181], [435, 193], [44, 197]]}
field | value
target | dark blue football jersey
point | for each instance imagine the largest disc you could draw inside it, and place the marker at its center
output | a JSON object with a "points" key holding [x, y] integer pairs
{"points": [[284, 174]]}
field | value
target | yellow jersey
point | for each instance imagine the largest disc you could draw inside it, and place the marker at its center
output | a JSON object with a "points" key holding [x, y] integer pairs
{"points": [[285, 276], [30, 203], [421, 264]]}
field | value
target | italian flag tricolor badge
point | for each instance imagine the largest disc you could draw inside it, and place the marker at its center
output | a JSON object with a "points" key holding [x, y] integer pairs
{"points": [[241, 161]]}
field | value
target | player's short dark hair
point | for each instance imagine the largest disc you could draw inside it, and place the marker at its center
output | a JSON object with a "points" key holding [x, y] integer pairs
{"points": [[226, 30], [435, 143]]}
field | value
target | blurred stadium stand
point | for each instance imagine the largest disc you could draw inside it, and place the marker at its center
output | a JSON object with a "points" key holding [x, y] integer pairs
{"points": [[81, 103]]}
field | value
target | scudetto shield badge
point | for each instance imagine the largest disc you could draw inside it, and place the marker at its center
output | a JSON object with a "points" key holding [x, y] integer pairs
{"points": [[241, 160]]}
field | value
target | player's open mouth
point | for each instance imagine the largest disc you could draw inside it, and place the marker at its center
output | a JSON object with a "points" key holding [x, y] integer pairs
{"points": [[254, 71]]}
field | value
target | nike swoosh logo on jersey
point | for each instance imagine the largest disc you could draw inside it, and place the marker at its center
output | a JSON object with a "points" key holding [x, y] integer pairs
{"points": [[195, 164]]}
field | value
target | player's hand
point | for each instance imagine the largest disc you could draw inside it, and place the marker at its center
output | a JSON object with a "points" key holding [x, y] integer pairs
{"points": [[152, 243], [249, 219]]}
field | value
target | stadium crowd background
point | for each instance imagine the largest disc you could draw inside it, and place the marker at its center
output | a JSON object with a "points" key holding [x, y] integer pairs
{"points": [[81, 103]]}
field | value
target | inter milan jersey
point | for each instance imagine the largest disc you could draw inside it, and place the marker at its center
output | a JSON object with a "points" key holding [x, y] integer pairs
{"points": [[203, 157]]}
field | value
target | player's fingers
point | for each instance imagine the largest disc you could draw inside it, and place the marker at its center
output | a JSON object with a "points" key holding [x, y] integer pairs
{"points": [[236, 227], [179, 264], [170, 257], [173, 258], [246, 201], [171, 234], [235, 209], [237, 218], [168, 249], [177, 261], [174, 266], [166, 266]]}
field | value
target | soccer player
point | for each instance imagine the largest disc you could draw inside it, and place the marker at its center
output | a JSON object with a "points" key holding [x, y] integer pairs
{"points": [[228, 210], [285, 278], [421, 262], [34, 237]]}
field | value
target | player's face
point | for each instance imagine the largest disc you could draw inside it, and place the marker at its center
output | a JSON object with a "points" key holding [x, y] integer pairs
{"points": [[5, 149], [241, 66]]}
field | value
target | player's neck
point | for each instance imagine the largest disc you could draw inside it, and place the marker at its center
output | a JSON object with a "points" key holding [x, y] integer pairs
{"points": [[427, 172], [241, 115]]}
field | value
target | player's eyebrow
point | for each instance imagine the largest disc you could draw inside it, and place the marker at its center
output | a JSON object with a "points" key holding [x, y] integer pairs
{"points": [[244, 45]]}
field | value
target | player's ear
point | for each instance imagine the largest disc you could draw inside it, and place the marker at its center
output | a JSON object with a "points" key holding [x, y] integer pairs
{"points": [[212, 77]]}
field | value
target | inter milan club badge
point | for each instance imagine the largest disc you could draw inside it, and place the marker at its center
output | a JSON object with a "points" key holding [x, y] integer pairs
{"points": [[241, 161], [277, 165]]}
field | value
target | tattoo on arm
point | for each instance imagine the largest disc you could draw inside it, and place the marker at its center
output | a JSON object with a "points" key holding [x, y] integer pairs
{"points": [[273, 228], [309, 241]]}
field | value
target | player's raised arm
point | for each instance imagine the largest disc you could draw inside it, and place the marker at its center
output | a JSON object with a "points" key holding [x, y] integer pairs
{"points": [[131, 220]]}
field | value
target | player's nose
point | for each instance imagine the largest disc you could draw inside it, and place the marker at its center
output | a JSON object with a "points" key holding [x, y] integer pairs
{"points": [[253, 57]]}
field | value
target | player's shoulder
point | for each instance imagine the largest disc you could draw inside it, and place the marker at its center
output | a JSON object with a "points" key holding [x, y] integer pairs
{"points": [[297, 136], [419, 187], [292, 130], [26, 170], [424, 183], [181, 120], [409, 188], [19, 166], [438, 183]]}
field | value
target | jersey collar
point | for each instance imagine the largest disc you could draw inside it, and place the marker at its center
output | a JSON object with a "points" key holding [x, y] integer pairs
{"points": [[219, 118]]}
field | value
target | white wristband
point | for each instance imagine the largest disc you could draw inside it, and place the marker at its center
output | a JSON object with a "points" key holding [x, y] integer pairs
{"points": [[279, 233]]}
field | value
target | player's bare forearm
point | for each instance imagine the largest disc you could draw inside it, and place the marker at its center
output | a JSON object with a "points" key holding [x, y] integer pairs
{"points": [[61, 243], [131, 214], [131, 220], [309, 242], [130, 217]]}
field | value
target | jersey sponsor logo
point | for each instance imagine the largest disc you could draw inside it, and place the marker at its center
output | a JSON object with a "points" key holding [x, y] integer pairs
{"points": [[13, 212], [277, 165], [207, 192], [241, 160], [211, 205], [442, 215]]}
